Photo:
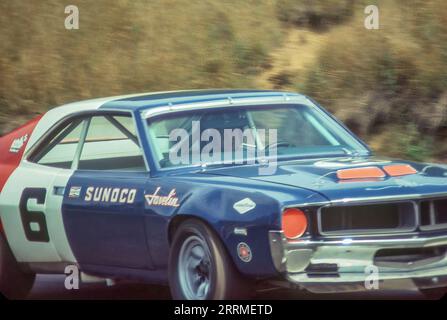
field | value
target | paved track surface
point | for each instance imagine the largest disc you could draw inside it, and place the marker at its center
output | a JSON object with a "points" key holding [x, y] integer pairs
{"points": [[52, 287]]}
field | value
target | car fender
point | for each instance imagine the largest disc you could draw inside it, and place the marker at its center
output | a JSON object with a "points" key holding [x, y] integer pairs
{"points": [[216, 207], [215, 202]]}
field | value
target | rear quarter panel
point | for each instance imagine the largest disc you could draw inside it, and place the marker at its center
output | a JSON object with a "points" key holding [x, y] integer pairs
{"points": [[12, 147]]}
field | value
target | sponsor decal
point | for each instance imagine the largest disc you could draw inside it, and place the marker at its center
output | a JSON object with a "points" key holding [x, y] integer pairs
{"points": [[244, 205], [240, 231], [244, 252], [75, 192], [18, 144], [111, 195], [170, 200]]}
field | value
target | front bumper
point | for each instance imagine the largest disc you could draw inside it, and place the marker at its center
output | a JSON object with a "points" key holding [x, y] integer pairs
{"points": [[341, 265]]}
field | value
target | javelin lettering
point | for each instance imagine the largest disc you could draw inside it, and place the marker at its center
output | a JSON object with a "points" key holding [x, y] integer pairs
{"points": [[168, 201]]}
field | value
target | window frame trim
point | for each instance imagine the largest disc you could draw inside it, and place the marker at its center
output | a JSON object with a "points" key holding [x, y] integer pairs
{"points": [[84, 116], [148, 115], [42, 150], [81, 142]]}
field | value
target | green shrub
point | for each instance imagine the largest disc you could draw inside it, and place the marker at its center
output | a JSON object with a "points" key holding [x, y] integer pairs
{"points": [[250, 58], [414, 145], [314, 13]]}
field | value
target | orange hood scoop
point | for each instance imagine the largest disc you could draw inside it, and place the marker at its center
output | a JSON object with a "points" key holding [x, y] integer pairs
{"points": [[360, 173]]}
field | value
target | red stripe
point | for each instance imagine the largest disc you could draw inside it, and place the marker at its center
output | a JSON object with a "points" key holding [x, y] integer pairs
{"points": [[9, 161]]}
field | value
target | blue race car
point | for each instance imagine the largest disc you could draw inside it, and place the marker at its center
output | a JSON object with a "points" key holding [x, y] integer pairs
{"points": [[130, 188]]}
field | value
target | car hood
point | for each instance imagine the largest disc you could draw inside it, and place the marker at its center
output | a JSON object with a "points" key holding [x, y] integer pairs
{"points": [[320, 176]]}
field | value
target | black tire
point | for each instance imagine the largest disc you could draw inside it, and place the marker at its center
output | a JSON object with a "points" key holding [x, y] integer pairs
{"points": [[14, 283], [225, 282]]}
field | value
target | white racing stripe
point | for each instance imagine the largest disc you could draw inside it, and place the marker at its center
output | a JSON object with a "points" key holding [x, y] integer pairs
{"points": [[30, 175]]}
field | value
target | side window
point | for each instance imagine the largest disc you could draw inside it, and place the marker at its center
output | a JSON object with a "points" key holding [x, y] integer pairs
{"points": [[61, 149], [111, 144]]}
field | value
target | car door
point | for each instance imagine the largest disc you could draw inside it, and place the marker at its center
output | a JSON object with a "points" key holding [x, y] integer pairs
{"points": [[31, 200], [104, 209]]}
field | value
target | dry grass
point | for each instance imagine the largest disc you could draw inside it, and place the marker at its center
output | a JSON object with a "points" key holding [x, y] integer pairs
{"points": [[128, 46], [298, 54]]}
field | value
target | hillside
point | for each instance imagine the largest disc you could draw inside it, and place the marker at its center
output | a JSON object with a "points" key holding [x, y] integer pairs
{"points": [[130, 46], [388, 85]]}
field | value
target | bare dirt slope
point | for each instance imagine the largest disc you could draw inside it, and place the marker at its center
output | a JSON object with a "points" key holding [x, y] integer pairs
{"points": [[297, 53]]}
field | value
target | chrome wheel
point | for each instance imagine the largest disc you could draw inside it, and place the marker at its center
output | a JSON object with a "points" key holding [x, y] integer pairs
{"points": [[194, 268]]}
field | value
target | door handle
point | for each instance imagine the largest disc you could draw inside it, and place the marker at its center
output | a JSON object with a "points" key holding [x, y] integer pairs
{"points": [[59, 191]]}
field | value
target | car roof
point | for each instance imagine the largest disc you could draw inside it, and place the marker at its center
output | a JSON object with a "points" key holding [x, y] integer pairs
{"points": [[146, 101], [156, 99]]}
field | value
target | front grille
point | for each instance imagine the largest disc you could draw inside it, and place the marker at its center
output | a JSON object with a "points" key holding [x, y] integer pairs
{"points": [[368, 219], [395, 217], [433, 214], [410, 257]]}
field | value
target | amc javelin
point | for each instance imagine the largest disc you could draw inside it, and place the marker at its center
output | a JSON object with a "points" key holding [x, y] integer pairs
{"points": [[91, 184]]}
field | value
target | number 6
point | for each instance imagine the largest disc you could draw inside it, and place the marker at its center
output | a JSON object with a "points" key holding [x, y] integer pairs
{"points": [[36, 217]]}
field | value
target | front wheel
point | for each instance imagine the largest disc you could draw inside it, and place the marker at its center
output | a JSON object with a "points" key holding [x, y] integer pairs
{"points": [[14, 283], [200, 268]]}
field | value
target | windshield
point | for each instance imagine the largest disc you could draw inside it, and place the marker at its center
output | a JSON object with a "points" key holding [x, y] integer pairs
{"points": [[241, 133]]}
